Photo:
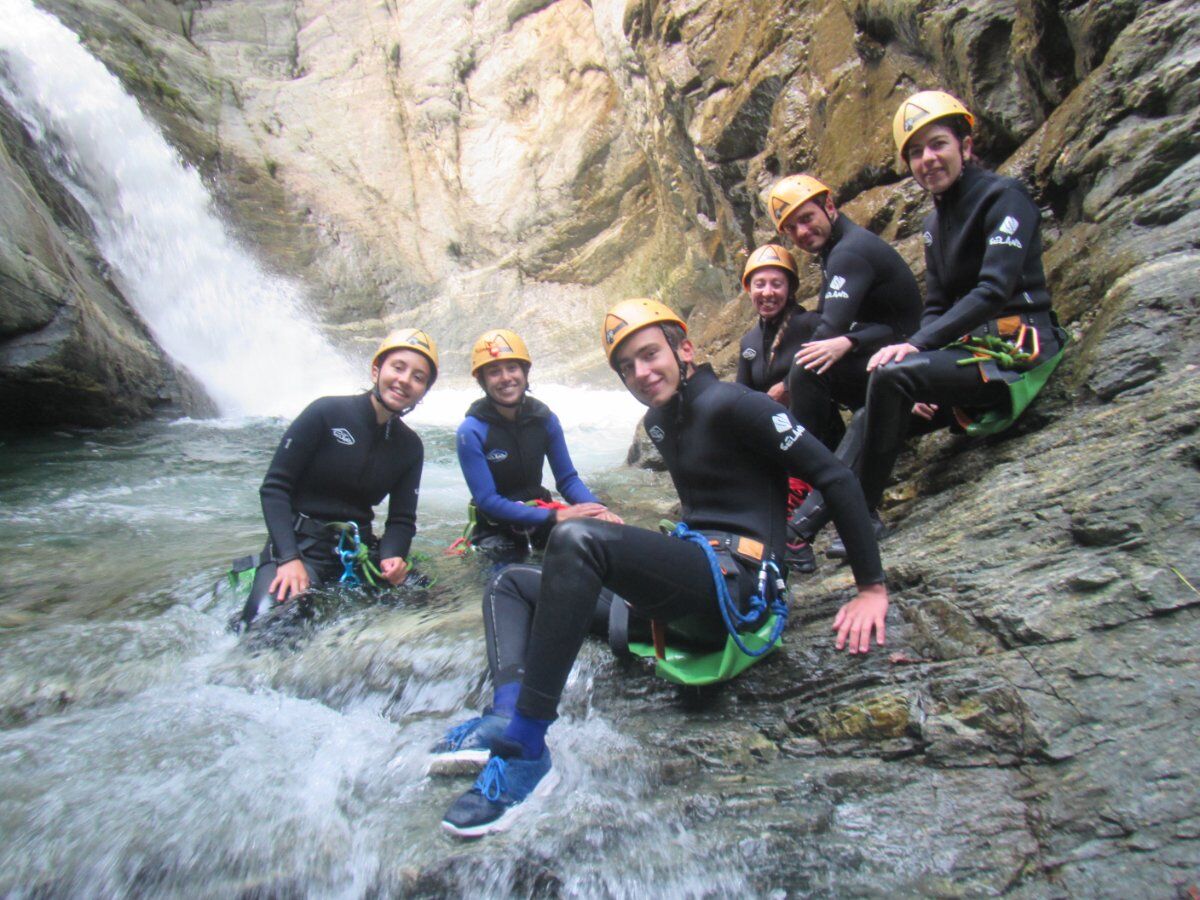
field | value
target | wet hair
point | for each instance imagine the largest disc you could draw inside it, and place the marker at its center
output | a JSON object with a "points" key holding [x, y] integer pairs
{"points": [[675, 334]]}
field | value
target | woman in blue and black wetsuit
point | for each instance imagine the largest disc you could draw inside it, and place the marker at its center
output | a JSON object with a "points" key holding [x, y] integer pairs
{"points": [[338, 459], [503, 444]]}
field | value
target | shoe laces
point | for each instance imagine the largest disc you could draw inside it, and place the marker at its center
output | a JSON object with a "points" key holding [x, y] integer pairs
{"points": [[459, 733], [492, 781]]}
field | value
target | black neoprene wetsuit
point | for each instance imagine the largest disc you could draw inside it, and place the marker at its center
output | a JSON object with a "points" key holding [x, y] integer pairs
{"points": [[768, 347], [869, 295], [729, 450], [334, 463], [983, 256]]}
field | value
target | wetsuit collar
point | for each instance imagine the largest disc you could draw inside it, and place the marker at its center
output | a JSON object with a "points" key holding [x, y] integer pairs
{"points": [[967, 179], [531, 408], [836, 233]]}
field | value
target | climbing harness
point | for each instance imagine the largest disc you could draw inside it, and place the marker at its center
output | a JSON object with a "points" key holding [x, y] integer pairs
{"points": [[463, 545], [1011, 356], [693, 664]]}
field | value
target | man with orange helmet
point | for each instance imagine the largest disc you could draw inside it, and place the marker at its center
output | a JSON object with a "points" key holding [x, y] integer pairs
{"points": [[729, 450], [868, 298]]}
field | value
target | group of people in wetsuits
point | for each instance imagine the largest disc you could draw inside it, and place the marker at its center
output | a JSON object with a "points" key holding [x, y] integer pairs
{"points": [[730, 448]]}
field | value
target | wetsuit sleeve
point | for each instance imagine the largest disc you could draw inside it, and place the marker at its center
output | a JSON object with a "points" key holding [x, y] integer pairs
{"points": [[1010, 224], [566, 479], [402, 505], [296, 448], [848, 278], [758, 420], [483, 487]]}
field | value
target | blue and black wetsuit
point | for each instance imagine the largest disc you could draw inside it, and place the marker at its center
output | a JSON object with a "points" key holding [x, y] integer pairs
{"points": [[729, 451], [334, 463], [869, 295], [502, 462]]}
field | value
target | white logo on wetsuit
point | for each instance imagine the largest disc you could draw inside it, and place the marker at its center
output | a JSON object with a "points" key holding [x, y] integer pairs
{"points": [[928, 239], [792, 438], [656, 434], [1005, 238], [782, 421], [749, 353], [497, 456], [342, 436], [836, 282]]}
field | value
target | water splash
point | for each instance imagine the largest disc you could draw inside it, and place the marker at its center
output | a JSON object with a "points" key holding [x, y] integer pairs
{"points": [[210, 306]]}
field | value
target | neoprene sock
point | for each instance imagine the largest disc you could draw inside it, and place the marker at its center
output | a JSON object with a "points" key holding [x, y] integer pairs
{"points": [[529, 733], [504, 699]]}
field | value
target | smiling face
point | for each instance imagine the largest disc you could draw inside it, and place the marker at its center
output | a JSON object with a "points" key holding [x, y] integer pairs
{"points": [[936, 157], [504, 381], [810, 224], [649, 368], [769, 288], [402, 378]]}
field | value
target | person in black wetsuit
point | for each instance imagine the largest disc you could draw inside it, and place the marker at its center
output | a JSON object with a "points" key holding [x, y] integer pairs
{"points": [[983, 276], [868, 298], [338, 458], [729, 450], [503, 444], [765, 357]]}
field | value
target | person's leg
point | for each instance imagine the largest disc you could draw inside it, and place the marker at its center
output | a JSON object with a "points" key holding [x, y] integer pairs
{"points": [[932, 376], [660, 576], [260, 599], [812, 403]]}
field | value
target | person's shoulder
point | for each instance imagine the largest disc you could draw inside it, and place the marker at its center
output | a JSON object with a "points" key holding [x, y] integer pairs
{"points": [[335, 405], [403, 431]]}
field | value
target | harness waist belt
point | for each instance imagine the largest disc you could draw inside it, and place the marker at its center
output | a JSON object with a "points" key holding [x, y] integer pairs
{"points": [[1008, 326], [314, 528]]}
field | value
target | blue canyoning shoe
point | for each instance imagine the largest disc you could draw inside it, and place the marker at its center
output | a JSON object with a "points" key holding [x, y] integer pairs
{"points": [[496, 798], [465, 748]]}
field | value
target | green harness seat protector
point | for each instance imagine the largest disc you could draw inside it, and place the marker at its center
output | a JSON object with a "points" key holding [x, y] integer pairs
{"points": [[695, 665], [1022, 388], [241, 581]]}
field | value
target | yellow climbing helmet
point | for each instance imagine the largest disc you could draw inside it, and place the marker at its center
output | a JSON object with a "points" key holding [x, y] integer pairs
{"points": [[789, 194], [629, 316], [410, 339], [924, 108], [500, 343], [770, 255]]}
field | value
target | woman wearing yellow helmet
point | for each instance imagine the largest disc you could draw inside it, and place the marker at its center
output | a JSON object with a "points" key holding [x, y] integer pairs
{"points": [[984, 280], [338, 459], [503, 444], [765, 358]]}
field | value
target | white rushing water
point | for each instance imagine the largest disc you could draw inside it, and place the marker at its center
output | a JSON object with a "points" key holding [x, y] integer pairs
{"points": [[243, 332]]}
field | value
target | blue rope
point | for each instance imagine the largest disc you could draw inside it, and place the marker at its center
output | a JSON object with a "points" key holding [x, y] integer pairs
{"points": [[758, 603]]}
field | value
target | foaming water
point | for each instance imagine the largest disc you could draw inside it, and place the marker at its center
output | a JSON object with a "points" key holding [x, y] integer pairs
{"points": [[211, 307]]}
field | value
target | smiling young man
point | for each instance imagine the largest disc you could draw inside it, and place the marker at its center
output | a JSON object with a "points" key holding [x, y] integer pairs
{"points": [[729, 451], [868, 298]]}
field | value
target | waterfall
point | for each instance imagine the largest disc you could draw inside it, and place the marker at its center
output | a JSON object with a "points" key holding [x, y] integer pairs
{"points": [[242, 332]]}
